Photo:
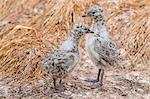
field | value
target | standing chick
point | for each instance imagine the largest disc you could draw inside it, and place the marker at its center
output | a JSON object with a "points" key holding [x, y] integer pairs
{"points": [[101, 48], [64, 59]]}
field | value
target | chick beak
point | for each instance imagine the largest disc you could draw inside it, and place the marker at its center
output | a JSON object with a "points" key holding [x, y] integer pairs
{"points": [[85, 15], [90, 31]]}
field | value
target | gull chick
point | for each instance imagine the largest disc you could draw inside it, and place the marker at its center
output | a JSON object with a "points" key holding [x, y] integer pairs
{"points": [[100, 47], [63, 60]]}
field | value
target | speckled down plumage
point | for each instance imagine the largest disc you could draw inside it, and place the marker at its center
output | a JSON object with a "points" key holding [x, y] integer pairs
{"points": [[106, 50], [100, 47], [63, 60]]}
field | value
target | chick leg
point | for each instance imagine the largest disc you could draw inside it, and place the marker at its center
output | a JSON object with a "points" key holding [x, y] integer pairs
{"points": [[58, 86], [98, 81], [54, 82], [98, 77], [61, 90], [61, 87]]}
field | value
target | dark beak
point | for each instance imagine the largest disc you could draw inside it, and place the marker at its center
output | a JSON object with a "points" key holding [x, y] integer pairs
{"points": [[90, 31], [85, 15]]}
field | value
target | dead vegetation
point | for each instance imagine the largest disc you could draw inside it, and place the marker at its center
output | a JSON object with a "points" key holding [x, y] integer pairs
{"points": [[29, 29]]}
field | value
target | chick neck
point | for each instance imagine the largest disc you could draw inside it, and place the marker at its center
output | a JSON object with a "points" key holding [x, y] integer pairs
{"points": [[72, 42], [99, 26]]}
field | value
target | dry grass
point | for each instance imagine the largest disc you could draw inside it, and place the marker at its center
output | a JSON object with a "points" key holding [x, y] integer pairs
{"points": [[29, 29]]}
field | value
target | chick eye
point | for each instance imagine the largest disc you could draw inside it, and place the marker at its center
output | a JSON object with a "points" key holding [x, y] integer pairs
{"points": [[77, 26], [93, 12]]}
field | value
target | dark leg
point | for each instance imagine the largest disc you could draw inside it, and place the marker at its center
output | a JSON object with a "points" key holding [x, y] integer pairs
{"points": [[61, 90], [60, 81], [99, 81], [57, 86], [101, 75], [61, 87], [54, 82], [98, 77]]}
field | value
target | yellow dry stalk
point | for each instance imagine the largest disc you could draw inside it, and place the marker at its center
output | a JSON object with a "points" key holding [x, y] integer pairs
{"points": [[14, 51], [136, 38], [6, 6], [133, 35]]}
